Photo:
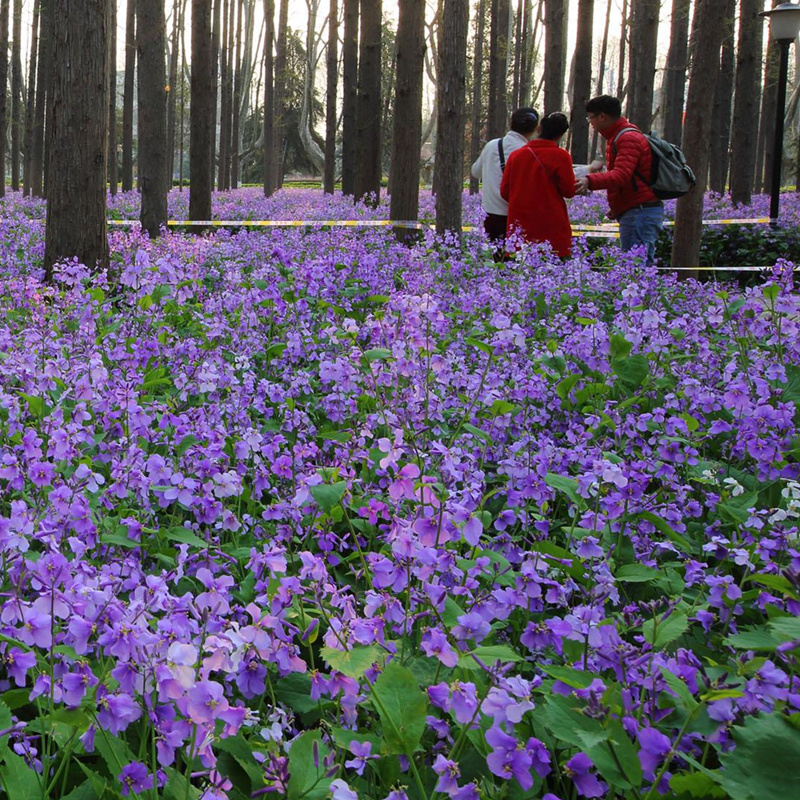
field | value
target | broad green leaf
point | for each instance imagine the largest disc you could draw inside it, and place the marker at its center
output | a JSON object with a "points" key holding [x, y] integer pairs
{"points": [[185, 536], [353, 663], [306, 768], [489, 655], [114, 751], [753, 639], [631, 370], [402, 707], [775, 582], [696, 785], [295, 691], [563, 388], [177, 787], [665, 630], [575, 678], [625, 753], [185, 444], [764, 762], [83, 791], [787, 628], [637, 573], [328, 495], [567, 485], [19, 781], [377, 354], [472, 342], [619, 347]]}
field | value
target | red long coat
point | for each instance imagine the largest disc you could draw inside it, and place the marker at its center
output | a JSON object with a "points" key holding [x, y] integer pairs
{"points": [[535, 191]]}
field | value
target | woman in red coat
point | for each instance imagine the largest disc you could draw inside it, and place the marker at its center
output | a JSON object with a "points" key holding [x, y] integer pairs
{"points": [[535, 182]]}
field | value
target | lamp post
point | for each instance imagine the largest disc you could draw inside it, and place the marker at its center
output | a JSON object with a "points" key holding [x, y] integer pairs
{"points": [[784, 25]]}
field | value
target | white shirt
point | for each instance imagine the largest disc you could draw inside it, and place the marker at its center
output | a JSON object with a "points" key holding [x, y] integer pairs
{"points": [[487, 168]]}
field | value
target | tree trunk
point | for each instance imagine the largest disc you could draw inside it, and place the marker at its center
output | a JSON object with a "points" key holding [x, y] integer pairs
{"points": [[111, 157], [280, 88], [697, 130], [497, 123], [151, 50], [127, 98], [642, 68], [623, 41], [675, 71], [525, 43], [30, 101], [172, 97], [16, 94], [517, 49], [350, 97], [182, 135], [236, 135], [407, 114], [744, 136], [201, 119], [224, 118], [215, 58], [76, 196], [450, 137], [766, 128], [4, 8], [601, 77], [477, 85], [270, 150], [723, 97], [332, 66], [582, 83], [312, 149], [555, 53], [42, 91], [368, 174]]}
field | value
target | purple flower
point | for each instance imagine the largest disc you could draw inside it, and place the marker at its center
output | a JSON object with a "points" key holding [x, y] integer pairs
{"points": [[135, 778], [434, 643], [362, 752], [206, 702], [655, 745], [18, 662], [509, 759], [116, 711], [448, 771], [586, 782], [464, 700], [472, 626]]}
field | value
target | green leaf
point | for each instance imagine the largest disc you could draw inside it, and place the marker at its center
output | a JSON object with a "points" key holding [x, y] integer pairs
{"points": [[619, 347], [237, 747], [353, 663], [177, 787], [467, 426], [637, 573], [295, 691], [563, 388], [329, 495], [775, 582], [680, 688], [114, 752], [185, 536], [696, 785], [660, 633], [489, 655], [664, 527], [377, 354], [575, 678], [19, 781], [306, 768], [753, 639], [632, 370], [402, 707], [760, 766], [83, 791], [625, 753], [472, 342], [567, 485], [275, 350], [185, 444]]}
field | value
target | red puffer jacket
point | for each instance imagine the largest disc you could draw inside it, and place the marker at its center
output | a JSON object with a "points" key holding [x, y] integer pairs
{"points": [[623, 179]]}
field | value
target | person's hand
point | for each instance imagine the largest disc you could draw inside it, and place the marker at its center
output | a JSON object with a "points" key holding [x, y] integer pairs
{"points": [[596, 166], [582, 186]]}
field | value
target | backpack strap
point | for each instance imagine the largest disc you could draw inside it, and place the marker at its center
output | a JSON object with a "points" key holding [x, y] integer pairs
{"points": [[614, 148], [501, 154]]}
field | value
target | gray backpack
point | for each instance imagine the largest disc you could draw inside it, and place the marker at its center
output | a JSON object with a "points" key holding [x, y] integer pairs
{"points": [[671, 177]]}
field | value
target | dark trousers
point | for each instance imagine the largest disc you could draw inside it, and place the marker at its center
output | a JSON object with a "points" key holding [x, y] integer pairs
{"points": [[495, 227]]}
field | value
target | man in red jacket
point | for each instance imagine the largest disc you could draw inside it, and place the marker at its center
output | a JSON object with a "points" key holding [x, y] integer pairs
{"points": [[639, 212]]}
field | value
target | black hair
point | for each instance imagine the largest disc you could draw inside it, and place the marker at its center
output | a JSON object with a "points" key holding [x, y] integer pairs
{"points": [[605, 104], [524, 120], [554, 126]]}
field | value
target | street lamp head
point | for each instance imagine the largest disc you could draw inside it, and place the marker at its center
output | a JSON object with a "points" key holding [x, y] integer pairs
{"points": [[784, 21]]}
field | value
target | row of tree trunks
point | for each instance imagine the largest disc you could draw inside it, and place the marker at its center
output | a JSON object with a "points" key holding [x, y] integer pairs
{"points": [[723, 101]]}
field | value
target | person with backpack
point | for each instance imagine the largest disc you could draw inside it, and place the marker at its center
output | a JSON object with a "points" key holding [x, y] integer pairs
{"points": [[489, 169], [628, 178], [535, 182]]}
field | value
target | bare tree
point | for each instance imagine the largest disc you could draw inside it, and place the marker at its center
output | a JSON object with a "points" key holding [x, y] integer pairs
{"points": [[675, 73], [312, 149], [281, 61], [723, 99], [332, 69], [555, 53], [76, 202], [16, 93], [127, 97], [582, 82], [697, 129], [172, 97], [42, 89], [450, 139], [601, 76], [498, 69], [201, 153], [151, 47], [350, 97], [746, 98], [368, 174], [224, 112], [642, 67], [111, 157], [30, 101], [270, 154], [477, 81], [408, 113], [4, 8], [766, 128]]}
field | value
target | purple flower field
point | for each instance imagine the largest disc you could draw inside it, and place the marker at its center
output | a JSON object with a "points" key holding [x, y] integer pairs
{"points": [[308, 514]]}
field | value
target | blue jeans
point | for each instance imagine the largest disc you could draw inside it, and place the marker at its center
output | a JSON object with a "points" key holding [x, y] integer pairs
{"points": [[639, 227]]}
